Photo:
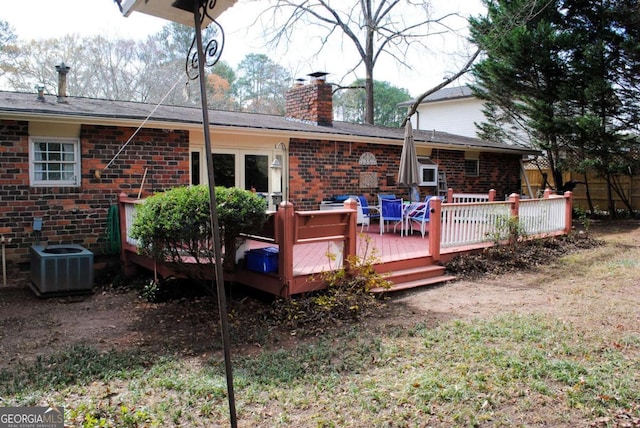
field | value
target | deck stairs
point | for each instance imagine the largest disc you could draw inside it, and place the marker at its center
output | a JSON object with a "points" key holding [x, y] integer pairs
{"points": [[412, 273]]}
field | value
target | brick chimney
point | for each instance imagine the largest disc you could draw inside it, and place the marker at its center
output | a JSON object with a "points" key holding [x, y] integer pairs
{"points": [[311, 103], [62, 70]]}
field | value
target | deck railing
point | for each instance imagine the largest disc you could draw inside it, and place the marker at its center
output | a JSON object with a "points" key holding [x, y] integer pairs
{"points": [[129, 216], [485, 222], [542, 216], [465, 198], [286, 228], [461, 225], [471, 223]]}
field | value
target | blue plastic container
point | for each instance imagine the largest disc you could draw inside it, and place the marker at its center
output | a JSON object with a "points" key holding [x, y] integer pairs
{"points": [[262, 259]]}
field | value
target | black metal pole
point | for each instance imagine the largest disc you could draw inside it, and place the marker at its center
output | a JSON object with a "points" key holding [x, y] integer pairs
{"points": [[219, 278]]}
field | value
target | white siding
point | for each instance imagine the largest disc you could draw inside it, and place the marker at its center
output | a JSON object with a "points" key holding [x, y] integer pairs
{"points": [[457, 116]]}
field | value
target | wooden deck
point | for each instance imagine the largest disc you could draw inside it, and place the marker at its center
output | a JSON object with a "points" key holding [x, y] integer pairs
{"points": [[306, 238], [389, 247], [403, 260]]}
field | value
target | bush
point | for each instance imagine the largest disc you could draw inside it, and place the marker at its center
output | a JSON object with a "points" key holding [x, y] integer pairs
{"points": [[347, 296], [176, 223]]}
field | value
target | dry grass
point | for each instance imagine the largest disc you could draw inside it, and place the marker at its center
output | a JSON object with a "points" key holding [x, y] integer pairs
{"points": [[558, 346]]}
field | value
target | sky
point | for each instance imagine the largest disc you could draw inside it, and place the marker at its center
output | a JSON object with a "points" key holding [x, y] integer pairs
{"points": [[41, 19]]}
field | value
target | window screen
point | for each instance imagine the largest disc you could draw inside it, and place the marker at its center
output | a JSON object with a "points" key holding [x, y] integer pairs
{"points": [[471, 167]]}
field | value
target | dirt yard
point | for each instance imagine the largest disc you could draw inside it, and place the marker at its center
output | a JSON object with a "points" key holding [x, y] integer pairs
{"points": [[598, 289], [120, 318], [595, 289]]}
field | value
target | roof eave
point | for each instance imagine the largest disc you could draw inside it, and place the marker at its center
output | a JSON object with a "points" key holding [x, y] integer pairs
{"points": [[323, 133]]}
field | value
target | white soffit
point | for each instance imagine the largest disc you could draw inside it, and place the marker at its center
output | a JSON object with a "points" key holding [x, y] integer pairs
{"points": [[165, 9]]}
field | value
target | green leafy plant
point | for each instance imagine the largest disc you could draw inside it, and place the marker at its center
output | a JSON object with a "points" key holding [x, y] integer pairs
{"points": [[356, 278], [175, 224], [150, 290], [508, 228], [584, 219]]}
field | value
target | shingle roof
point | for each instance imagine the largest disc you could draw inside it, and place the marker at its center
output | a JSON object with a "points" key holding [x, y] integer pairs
{"points": [[27, 107], [443, 94]]}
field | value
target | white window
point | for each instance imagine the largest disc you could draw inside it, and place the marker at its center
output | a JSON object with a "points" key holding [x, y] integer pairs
{"points": [[428, 172], [54, 162]]}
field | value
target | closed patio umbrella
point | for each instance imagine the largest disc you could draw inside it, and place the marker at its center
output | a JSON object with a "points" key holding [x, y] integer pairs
{"points": [[409, 173]]}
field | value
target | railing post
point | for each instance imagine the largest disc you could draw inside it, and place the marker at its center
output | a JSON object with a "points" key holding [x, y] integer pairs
{"points": [[349, 251], [547, 193], [492, 195], [568, 212], [450, 195], [284, 231], [128, 268], [514, 200], [435, 227]]}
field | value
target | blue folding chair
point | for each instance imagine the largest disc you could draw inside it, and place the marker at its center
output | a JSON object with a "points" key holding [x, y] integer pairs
{"points": [[391, 211], [386, 196], [421, 216]]}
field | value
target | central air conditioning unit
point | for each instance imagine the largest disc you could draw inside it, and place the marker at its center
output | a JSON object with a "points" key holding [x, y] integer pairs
{"points": [[61, 270]]}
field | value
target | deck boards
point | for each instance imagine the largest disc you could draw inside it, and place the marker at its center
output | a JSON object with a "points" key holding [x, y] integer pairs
{"points": [[312, 257], [391, 253]]}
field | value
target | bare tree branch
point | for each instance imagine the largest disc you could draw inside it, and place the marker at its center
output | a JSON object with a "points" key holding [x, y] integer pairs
{"points": [[374, 27], [340, 87]]}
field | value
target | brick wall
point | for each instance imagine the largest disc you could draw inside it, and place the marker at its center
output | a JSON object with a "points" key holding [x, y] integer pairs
{"points": [[497, 171], [79, 215], [321, 169], [311, 103]]}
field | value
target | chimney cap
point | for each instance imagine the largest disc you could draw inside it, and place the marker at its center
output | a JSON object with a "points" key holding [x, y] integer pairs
{"points": [[318, 75], [62, 67]]}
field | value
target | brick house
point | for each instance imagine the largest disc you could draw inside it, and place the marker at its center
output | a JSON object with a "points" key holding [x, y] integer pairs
{"points": [[65, 160]]}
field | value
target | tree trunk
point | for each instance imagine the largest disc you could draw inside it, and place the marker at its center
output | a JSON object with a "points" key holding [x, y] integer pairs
{"points": [[618, 188], [230, 248], [588, 192], [368, 65], [612, 206], [368, 87]]}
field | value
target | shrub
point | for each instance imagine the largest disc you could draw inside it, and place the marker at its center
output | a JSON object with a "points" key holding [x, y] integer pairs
{"points": [[176, 223], [508, 228], [239, 211], [347, 296]]}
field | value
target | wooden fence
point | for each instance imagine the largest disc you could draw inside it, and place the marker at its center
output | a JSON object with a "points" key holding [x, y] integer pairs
{"points": [[597, 190]]}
